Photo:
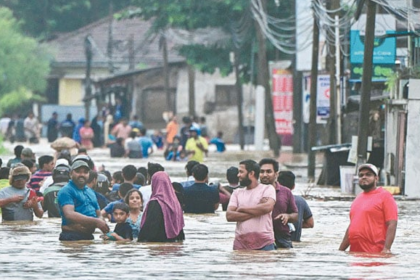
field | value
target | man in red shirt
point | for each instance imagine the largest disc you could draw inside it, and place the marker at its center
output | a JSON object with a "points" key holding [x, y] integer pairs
{"points": [[373, 216]]}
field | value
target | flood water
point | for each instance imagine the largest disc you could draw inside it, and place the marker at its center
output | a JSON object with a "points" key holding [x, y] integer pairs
{"points": [[32, 250]]}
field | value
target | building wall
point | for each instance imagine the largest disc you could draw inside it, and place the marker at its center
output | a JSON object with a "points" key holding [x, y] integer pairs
{"points": [[220, 118], [70, 92], [70, 86], [412, 151], [149, 87]]}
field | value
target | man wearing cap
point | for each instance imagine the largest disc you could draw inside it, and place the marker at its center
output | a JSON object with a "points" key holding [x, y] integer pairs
{"points": [[27, 153], [373, 216], [79, 208], [16, 201], [196, 145]]}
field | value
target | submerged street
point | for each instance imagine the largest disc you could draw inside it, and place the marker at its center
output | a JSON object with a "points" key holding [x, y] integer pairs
{"points": [[207, 251]]}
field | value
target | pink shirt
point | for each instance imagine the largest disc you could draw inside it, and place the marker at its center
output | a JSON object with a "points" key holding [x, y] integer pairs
{"points": [[257, 232], [121, 131]]}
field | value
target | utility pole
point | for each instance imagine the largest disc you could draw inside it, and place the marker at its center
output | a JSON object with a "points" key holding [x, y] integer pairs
{"points": [[297, 99], [88, 88], [312, 106], [366, 83], [110, 46], [131, 56], [191, 90], [332, 67], [263, 79], [164, 47]]}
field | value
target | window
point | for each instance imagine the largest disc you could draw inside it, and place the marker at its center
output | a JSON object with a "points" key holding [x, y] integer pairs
{"points": [[225, 95]]}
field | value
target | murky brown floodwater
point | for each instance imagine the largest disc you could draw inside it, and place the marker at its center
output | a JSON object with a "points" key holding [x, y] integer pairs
{"points": [[32, 250]]}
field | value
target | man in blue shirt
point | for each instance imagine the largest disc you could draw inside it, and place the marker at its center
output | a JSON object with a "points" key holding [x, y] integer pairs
{"points": [[79, 208], [305, 218], [200, 197], [146, 143], [218, 141]]}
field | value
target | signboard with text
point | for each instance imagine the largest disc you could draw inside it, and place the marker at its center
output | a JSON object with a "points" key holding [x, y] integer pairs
{"points": [[283, 104], [322, 98], [384, 48]]}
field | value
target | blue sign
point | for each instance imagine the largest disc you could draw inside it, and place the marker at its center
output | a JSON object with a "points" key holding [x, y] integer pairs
{"points": [[383, 52]]}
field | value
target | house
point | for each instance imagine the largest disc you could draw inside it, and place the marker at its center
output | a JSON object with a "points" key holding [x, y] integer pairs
{"points": [[131, 67], [116, 46]]}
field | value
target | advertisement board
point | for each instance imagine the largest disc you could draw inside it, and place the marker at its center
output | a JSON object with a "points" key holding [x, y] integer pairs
{"points": [[322, 98], [384, 48], [282, 93]]}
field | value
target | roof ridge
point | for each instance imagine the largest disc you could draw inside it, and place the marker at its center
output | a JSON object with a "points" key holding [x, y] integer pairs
{"points": [[67, 35]]}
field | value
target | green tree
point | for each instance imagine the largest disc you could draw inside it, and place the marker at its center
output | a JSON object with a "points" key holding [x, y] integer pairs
{"points": [[191, 14], [24, 64], [44, 18]]}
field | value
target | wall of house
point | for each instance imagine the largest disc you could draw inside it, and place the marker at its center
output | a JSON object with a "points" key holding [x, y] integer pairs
{"points": [[70, 86], [219, 109], [149, 97], [70, 92]]}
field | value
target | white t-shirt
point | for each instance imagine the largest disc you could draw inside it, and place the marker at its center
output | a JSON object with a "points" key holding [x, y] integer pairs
{"points": [[146, 192]]}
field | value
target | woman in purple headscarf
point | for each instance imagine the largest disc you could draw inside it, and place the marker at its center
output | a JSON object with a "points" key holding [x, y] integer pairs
{"points": [[163, 219]]}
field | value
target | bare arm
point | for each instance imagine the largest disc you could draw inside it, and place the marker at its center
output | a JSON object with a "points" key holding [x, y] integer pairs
{"points": [[119, 238], [260, 209], [85, 221], [308, 223], [287, 218], [232, 215], [224, 191], [390, 235], [345, 243], [35, 206], [15, 198]]}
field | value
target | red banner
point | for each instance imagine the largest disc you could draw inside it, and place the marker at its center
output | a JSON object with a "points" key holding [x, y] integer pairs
{"points": [[283, 103]]}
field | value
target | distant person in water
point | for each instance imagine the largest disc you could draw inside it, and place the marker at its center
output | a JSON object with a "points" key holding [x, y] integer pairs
{"points": [[218, 141]]}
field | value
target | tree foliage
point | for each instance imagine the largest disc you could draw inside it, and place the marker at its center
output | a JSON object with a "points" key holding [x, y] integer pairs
{"points": [[191, 14], [24, 64], [44, 18]]}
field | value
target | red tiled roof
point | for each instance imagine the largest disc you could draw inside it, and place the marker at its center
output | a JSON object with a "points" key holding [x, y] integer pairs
{"points": [[69, 47]]}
